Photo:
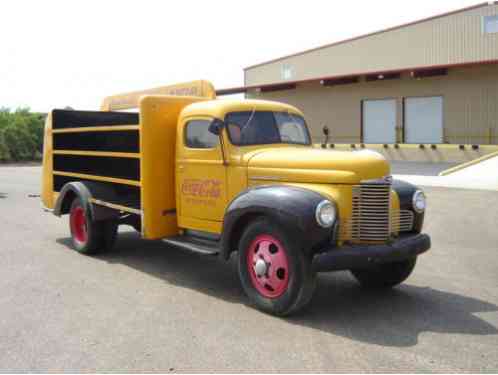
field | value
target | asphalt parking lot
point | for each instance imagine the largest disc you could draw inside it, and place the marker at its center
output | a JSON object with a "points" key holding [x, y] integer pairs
{"points": [[147, 307]]}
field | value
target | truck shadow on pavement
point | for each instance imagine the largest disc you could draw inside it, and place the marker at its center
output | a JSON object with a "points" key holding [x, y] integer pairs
{"points": [[340, 307], [392, 317]]}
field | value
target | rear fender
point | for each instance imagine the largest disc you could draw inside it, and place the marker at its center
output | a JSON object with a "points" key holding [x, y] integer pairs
{"points": [[85, 191]]}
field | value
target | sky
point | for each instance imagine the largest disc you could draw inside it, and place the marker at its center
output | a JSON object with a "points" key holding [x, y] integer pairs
{"points": [[75, 52]]}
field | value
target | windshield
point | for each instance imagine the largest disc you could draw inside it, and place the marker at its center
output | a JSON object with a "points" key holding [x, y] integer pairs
{"points": [[266, 127]]}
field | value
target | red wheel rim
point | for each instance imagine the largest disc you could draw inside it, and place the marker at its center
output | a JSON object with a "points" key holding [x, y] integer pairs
{"points": [[78, 224], [268, 266]]}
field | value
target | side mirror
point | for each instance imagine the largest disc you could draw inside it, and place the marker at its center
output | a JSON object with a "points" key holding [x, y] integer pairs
{"points": [[216, 126], [325, 130]]}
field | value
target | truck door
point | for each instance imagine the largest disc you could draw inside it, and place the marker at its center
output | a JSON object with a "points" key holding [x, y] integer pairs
{"points": [[201, 174]]}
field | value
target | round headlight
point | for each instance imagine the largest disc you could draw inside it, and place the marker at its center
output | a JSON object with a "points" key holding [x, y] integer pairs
{"points": [[419, 201], [325, 214]]}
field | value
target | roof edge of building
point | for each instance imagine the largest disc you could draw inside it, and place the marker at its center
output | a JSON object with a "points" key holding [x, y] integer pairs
{"points": [[242, 89], [441, 15]]}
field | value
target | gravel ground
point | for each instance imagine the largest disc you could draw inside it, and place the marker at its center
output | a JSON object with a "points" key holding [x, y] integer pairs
{"points": [[147, 307]]}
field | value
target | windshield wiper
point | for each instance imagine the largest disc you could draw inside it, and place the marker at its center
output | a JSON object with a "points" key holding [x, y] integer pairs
{"points": [[250, 118]]}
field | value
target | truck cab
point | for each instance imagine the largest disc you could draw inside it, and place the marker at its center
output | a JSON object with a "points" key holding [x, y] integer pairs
{"points": [[220, 140], [234, 177]]}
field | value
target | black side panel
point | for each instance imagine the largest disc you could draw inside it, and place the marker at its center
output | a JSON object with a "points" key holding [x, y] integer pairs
{"points": [[62, 119], [127, 168], [292, 207], [122, 141], [105, 166], [124, 195]]}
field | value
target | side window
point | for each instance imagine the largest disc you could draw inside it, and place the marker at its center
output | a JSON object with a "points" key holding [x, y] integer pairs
{"points": [[197, 135], [490, 24]]}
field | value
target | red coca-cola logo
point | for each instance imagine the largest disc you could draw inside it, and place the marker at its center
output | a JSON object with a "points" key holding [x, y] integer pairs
{"points": [[202, 188]]}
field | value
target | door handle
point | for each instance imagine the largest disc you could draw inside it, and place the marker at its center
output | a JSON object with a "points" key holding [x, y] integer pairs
{"points": [[181, 168]]}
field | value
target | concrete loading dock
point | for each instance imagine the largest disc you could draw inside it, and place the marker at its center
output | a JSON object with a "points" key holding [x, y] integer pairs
{"points": [[428, 153], [481, 173]]}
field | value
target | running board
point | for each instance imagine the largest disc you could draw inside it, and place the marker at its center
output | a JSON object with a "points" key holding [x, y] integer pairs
{"points": [[193, 244]]}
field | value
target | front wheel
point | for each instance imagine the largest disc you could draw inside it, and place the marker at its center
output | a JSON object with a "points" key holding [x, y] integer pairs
{"points": [[274, 271], [385, 275], [89, 236]]}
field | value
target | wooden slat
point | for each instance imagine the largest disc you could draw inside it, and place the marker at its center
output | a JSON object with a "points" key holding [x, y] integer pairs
{"points": [[96, 129], [98, 178], [132, 155], [116, 206]]}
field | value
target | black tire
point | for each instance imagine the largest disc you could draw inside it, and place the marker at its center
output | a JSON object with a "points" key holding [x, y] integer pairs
{"points": [[98, 236], [301, 278], [385, 275]]}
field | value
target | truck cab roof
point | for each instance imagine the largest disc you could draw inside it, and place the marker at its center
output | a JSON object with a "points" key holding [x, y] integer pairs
{"points": [[220, 107]]}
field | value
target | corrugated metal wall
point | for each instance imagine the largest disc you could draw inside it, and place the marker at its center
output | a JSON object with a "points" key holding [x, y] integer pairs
{"points": [[470, 105], [453, 39]]}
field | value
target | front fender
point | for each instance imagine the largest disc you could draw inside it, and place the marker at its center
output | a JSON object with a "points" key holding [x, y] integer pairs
{"points": [[292, 207], [405, 192]]}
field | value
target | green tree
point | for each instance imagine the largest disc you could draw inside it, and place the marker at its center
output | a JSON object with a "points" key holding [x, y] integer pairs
{"points": [[21, 134], [4, 150], [4, 117]]}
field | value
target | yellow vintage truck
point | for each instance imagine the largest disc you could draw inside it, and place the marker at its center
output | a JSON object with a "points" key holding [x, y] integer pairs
{"points": [[223, 176]]}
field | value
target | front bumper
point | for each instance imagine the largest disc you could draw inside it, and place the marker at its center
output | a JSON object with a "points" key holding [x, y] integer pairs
{"points": [[363, 256]]}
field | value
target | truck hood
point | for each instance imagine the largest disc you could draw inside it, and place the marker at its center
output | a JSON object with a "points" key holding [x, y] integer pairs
{"points": [[312, 165]]}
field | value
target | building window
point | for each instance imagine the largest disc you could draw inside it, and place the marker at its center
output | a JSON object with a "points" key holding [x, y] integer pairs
{"points": [[490, 24], [287, 72], [197, 135]]}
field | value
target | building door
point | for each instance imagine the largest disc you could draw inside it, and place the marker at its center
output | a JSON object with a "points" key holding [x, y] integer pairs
{"points": [[379, 121], [424, 120]]}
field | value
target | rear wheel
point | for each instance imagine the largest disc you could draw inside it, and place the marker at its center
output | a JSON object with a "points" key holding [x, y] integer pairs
{"points": [[274, 271], [385, 275], [89, 236]]}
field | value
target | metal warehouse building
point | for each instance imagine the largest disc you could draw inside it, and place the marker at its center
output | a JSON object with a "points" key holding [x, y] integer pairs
{"points": [[430, 81]]}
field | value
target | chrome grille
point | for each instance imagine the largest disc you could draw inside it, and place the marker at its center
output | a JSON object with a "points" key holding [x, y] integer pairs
{"points": [[402, 221], [370, 219]]}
